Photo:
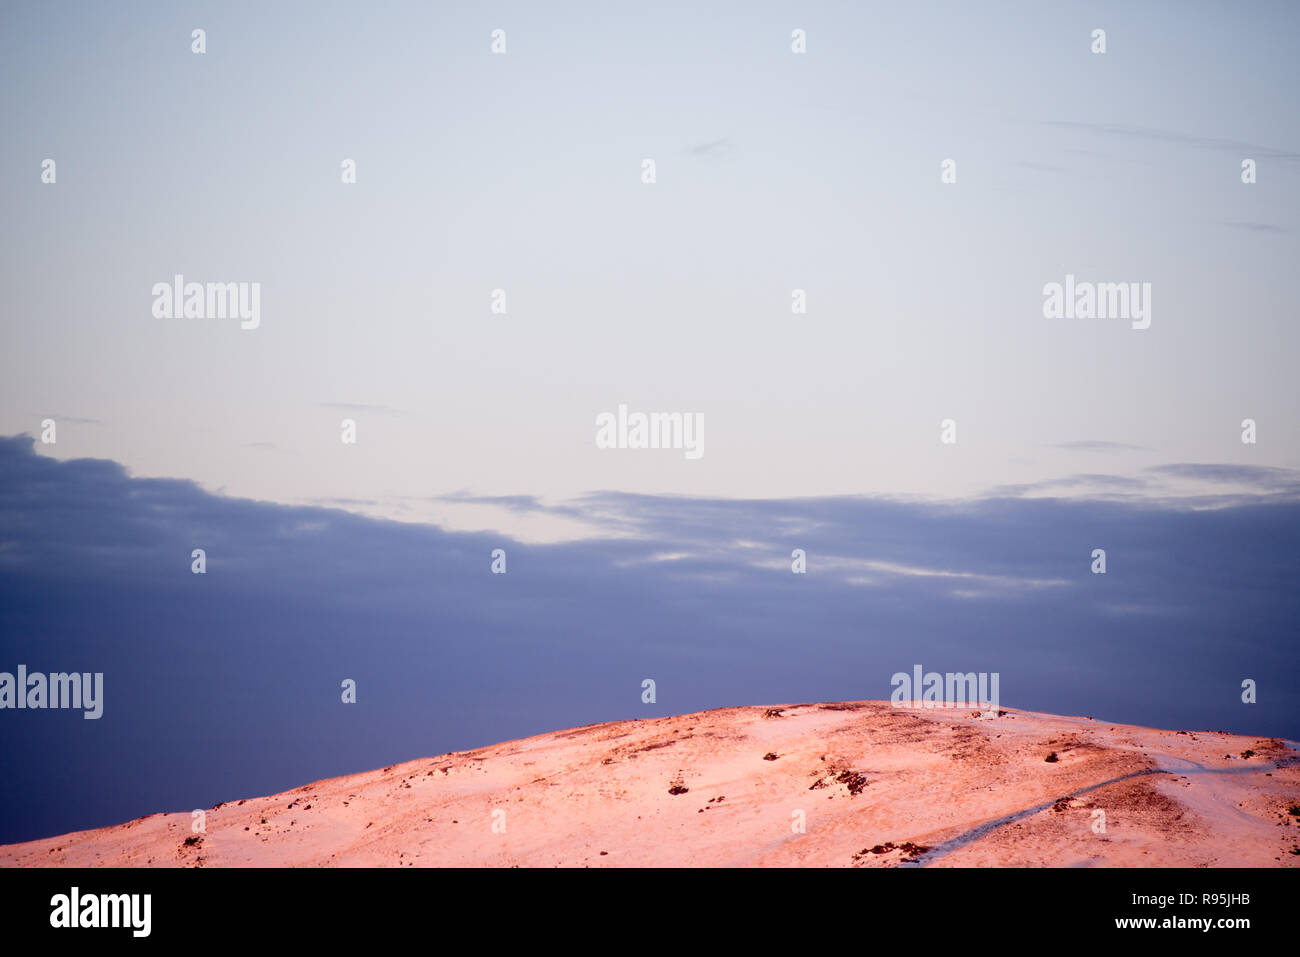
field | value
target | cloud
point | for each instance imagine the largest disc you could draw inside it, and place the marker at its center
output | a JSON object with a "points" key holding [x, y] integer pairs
{"points": [[1253, 476], [517, 503], [74, 420], [1041, 167], [361, 407], [1180, 139], [719, 147], [1158, 485], [227, 684], [1252, 227], [1099, 446], [1093, 483]]}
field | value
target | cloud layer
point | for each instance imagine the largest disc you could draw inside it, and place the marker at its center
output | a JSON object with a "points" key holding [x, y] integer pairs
{"points": [[227, 684]]}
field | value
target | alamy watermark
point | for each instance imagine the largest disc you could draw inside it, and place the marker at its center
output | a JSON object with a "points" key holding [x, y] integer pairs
{"points": [[653, 430], [75, 909], [1098, 300], [949, 690], [56, 690], [179, 299]]}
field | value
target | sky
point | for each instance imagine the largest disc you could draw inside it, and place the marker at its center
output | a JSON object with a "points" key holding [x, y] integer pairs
{"points": [[523, 171]]}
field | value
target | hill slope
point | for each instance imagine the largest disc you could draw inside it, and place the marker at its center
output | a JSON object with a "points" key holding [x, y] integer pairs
{"points": [[873, 786]]}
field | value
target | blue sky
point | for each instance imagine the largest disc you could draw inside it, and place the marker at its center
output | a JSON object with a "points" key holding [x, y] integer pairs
{"points": [[775, 171]]}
